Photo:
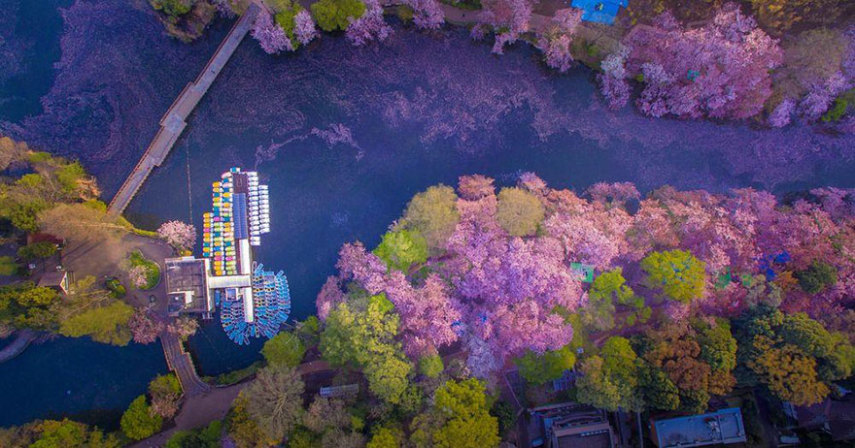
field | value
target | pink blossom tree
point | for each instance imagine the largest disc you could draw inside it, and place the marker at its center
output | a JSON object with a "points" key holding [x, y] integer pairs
{"points": [[369, 27], [613, 84], [270, 35], [181, 236], [427, 14], [720, 70], [555, 42], [782, 114], [144, 326], [304, 27]]}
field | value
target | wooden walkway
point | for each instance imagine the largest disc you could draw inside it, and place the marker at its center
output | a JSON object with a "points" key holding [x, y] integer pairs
{"points": [[179, 361], [175, 119]]}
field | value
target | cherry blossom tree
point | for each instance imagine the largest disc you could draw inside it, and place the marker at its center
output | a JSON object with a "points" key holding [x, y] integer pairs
{"points": [[427, 14], [782, 114], [144, 326], [500, 296], [181, 236], [613, 84], [270, 35], [555, 42], [369, 27], [304, 27], [720, 70]]}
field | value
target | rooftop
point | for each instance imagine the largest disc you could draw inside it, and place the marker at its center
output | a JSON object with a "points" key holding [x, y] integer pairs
{"points": [[186, 284], [572, 425], [720, 427]]}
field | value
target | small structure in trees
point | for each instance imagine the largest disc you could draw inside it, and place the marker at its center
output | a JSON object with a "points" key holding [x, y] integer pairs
{"points": [[716, 428], [584, 271], [57, 280], [572, 424], [599, 11], [348, 390]]}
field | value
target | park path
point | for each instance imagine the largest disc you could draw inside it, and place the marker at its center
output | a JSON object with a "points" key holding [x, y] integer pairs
{"points": [[179, 361], [175, 119]]}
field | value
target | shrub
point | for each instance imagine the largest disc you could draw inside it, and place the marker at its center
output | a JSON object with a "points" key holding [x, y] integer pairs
{"points": [[817, 277]]}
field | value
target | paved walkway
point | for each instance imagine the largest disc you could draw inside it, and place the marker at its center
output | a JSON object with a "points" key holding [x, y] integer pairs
{"points": [[175, 119], [23, 338], [179, 361]]}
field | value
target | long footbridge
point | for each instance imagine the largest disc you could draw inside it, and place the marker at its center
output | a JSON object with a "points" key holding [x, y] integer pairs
{"points": [[174, 120]]}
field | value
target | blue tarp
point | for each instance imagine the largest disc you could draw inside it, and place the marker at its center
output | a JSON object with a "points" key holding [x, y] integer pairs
{"points": [[239, 208], [599, 11]]}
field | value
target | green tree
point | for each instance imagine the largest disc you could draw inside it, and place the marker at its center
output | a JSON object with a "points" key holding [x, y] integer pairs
{"points": [[718, 346], [366, 339], [207, 437], [789, 373], [809, 335], [8, 267], [595, 387], [243, 429], [285, 349], [519, 212], [333, 15], [173, 8], [274, 400], [541, 368], [70, 434], [399, 249], [610, 380], [386, 437], [107, 324], [817, 277], [658, 390], [24, 215], [677, 273], [608, 288], [431, 365], [35, 251], [433, 214], [27, 306], [138, 422], [465, 418], [68, 176], [165, 391]]}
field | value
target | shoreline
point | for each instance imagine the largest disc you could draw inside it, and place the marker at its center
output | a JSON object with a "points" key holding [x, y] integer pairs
{"points": [[23, 339]]}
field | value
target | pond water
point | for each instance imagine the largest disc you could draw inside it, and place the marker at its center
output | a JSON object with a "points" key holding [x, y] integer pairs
{"points": [[345, 136], [75, 377]]}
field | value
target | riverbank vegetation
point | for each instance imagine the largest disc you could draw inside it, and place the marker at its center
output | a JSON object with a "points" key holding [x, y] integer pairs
{"points": [[53, 204], [761, 60], [677, 301]]}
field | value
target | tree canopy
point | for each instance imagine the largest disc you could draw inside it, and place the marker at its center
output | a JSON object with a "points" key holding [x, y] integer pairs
{"points": [[433, 213], [400, 249], [284, 349], [138, 422], [274, 400], [334, 15], [519, 212], [677, 273]]}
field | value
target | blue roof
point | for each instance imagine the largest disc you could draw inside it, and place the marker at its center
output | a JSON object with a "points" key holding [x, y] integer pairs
{"points": [[599, 11]]}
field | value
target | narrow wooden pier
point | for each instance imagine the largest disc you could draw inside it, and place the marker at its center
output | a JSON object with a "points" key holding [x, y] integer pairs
{"points": [[175, 119]]}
